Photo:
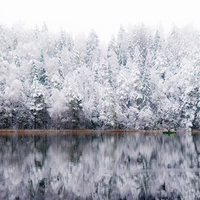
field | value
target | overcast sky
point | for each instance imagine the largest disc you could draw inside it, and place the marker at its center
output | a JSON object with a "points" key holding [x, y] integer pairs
{"points": [[104, 16]]}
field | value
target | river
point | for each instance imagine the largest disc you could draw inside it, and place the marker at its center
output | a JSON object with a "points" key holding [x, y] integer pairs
{"points": [[100, 166]]}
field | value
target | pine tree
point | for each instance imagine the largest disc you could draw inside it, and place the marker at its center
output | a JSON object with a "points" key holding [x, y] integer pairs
{"points": [[107, 103], [38, 106], [112, 47], [62, 41], [122, 45], [33, 70], [42, 75], [92, 50], [141, 44]]}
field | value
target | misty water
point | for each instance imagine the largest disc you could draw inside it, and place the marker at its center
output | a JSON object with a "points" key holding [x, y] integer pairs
{"points": [[100, 166]]}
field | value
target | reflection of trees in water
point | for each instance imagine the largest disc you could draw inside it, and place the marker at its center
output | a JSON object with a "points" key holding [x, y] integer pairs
{"points": [[105, 166]]}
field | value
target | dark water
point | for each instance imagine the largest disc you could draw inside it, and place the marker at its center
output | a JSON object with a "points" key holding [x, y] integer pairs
{"points": [[100, 166]]}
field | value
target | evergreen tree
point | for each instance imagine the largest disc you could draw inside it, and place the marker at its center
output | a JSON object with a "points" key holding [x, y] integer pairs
{"points": [[33, 70], [62, 41], [141, 44], [72, 111], [122, 45], [38, 106], [112, 46], [43, 78], [92, 50]]}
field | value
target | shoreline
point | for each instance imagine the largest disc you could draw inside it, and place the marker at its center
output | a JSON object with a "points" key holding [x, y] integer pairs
{"points": [[79, 131]]}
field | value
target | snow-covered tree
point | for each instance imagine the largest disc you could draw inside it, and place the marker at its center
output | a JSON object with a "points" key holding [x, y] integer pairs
{"points": [[92, 50], [122, 45], [38, 106]]}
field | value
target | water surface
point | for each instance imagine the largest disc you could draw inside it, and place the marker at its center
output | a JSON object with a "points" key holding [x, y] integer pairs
{"points": [[100, 166]]}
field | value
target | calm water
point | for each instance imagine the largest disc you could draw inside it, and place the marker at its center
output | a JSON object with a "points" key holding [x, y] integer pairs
{"points": [[100, 166]]}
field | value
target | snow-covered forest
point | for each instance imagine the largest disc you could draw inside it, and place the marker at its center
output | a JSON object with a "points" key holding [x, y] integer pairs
{"points": [[142, 79]]}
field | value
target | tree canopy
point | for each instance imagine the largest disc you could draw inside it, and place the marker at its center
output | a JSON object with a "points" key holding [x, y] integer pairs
{"points": [[144, 79]]}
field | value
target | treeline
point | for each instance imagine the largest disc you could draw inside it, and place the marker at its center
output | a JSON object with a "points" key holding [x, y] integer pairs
{"points": [[143, 79]]}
